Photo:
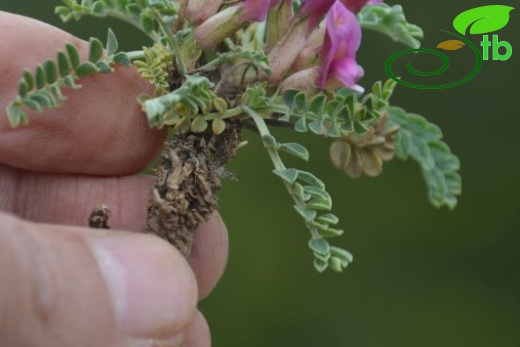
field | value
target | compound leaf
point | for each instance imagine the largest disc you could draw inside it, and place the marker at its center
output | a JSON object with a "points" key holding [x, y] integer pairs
{"points": [[390, 20], [422, 141]]}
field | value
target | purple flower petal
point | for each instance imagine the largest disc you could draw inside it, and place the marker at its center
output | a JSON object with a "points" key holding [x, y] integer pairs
{"points": [[316, 9], [342, 40]]}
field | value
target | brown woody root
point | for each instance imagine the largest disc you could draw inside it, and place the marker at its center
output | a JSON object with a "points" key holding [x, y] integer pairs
{"points": [[188, 177]]}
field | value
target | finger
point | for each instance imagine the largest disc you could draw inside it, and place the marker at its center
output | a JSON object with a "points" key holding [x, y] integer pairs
{"points": [[99, 129], [66, 288], [69, 199], [209, 254], [198, 334]]}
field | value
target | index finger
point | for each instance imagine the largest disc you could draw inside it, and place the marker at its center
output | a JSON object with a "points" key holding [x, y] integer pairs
{"points": [[99, 129]]}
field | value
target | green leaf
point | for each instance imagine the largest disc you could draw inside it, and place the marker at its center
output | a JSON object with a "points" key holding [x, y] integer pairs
{"points": [[269, 141], [63, 64], [306, 213], [325, 258], [328, 218], [218, 126], [318, 104], [147, 22], [23, 88], [50, 71], [95, 50], [301, 125], [390, 20], [317, 192], [422, 141], [199, 125], [289, 95], [483, 19], [288, 175], [86, 3], [63, 12], [85, 69], [32, 104], [319, 226], [103, 67], [16, 116], [296, 190], [300, 101], [68, 81], [99, 9], [336, 264], [420, 151], [320, 246], [320, 265], [28, 78], [342, 254], [40, 77], [122, 59], [331, 232], [295, 149], [112, 43], [43, 99], [193, 92], [320, 204], [72, 51], [317, 126], [309, 178]]}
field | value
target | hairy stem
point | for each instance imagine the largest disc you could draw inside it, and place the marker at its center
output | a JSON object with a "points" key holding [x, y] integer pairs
{"points": [[275, 158], [181, 66]]}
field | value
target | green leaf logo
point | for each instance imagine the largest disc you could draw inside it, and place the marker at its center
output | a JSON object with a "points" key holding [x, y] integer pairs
{"points": [[483, 20]]}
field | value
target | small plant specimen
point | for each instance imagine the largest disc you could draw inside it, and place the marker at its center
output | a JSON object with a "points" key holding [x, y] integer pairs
{"points": [[219, 67]]}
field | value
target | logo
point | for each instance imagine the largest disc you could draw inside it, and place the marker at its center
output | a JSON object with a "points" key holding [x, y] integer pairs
{"points": [[480, 21]]}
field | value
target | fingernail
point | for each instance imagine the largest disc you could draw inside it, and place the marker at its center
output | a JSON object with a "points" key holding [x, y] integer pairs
{"points": [[152, 288], [174, 341]]}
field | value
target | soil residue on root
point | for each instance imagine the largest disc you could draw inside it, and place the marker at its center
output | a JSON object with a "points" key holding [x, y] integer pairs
{"points": [[188, 176]]}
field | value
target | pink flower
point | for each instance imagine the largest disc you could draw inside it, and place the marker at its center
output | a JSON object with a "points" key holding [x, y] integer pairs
{"points": [[316, 9], [200, 10], [342, 40], [256, 10], [338, 54], [224, 23], [356, 5]]}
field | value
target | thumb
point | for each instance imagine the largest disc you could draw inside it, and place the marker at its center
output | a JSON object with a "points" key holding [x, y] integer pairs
{"points": [[73, 287]]}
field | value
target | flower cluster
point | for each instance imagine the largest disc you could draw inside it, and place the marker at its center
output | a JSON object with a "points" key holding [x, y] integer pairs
{"points": [[313, 48]]}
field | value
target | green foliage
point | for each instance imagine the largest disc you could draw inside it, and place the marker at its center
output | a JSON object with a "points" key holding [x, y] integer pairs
{"points": [[311, 200], [344, 111], [155, 67], [257, 59], [141, 13], [180, 106], [43, 88], [390, 20], [186, 99], [422, 141], [189, 50]]}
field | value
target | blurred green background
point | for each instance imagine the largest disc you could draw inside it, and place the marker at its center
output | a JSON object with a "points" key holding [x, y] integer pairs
{"points": [[421, 276]]}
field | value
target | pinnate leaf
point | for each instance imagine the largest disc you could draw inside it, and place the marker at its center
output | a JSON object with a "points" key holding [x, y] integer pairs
{"points": [[422, 141], [390, 20]]}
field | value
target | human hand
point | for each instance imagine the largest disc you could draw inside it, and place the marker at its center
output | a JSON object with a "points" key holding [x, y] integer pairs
{"points": [[62, 285]]}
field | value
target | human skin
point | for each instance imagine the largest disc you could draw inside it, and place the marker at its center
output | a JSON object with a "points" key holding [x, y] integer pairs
{"points": [[62, 284]]}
